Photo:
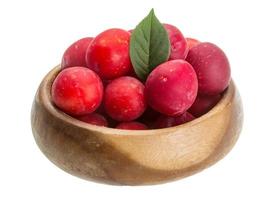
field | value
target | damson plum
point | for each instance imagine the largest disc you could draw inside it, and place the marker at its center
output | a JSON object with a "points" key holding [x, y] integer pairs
{"points": [[124, 99], [178, 43], [212, 68], [77, 91], [108, 54], [75, 55], [203, 104], [171, 88], [94, 118], [132, 126], [166, 121]]}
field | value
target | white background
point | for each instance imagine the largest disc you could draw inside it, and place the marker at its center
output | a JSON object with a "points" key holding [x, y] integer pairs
{"points": [[33, 36]]}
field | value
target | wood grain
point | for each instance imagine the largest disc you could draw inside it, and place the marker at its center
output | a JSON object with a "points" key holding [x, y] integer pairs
{"points": [[134, 157]]}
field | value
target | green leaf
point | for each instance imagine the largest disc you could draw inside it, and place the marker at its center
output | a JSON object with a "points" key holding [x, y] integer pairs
{"points": [[149, 45]]}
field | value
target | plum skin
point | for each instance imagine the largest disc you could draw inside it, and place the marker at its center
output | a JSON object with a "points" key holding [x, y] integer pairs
{"points": [[108, 54], [203, 104], [178, 43], [191, 42], [171, 88], [132, 126], [167, 121], [75, 54], [212, 68], [124, 99], [94, 119], [77, 91]]}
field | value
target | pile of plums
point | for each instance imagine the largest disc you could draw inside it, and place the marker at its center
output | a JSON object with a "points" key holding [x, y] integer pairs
{"points": [[98, 85]]}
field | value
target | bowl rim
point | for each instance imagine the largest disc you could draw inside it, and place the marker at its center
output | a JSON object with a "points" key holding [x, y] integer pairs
{"points": [[47, 103]]}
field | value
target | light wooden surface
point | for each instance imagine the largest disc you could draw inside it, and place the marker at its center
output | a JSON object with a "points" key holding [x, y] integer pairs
{"points": [[134, 157]]}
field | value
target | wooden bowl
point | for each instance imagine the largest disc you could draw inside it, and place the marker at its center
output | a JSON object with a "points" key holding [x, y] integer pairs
{"points": [[134, 157]]}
